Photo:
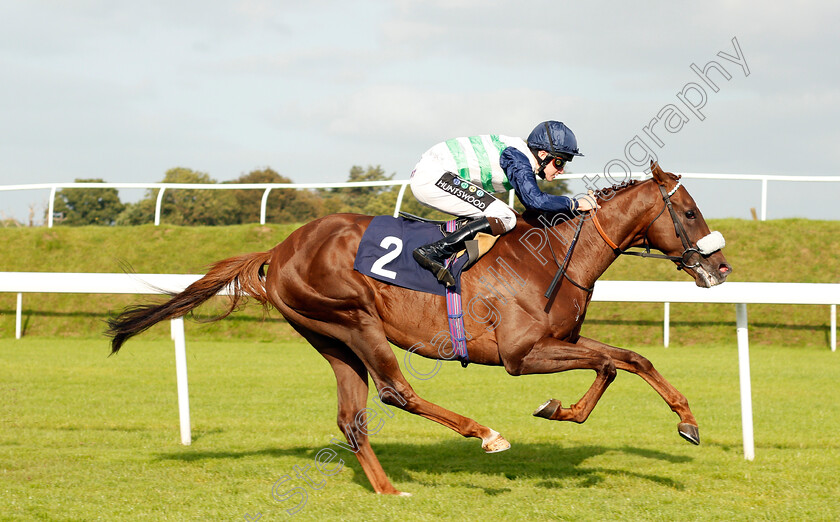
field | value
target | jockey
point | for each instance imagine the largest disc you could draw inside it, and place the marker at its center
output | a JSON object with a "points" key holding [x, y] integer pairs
{"points": [[459, 177]]}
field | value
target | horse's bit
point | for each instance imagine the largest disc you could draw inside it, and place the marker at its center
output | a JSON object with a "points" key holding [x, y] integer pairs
{"points": [[705, 246]]}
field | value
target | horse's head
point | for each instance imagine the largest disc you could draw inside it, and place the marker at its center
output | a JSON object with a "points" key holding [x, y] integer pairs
{"points": [[680, 231]]}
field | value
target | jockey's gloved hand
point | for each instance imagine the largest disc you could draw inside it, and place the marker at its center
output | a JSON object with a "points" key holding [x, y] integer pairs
{"points": [[586, 203]]}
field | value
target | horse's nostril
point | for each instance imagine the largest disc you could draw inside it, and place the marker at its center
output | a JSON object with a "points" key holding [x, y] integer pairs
{"points": [[725, 269]]}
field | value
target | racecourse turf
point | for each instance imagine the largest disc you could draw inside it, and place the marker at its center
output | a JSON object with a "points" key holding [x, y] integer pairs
{"points": [[84, 436]]}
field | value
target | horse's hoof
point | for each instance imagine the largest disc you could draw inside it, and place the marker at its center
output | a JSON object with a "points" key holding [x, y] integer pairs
{"points": [[548, 409], [495, 443], [689, 432], [395, 492]]}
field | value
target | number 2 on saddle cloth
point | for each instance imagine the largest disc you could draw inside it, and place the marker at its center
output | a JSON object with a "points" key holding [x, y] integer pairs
{"points": [[385, 255]]}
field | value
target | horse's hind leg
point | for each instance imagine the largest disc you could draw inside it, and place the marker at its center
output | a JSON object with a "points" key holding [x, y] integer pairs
{"points": [[352, 391], [352, 379], [395, 390], [634, 363], [550, 355]]}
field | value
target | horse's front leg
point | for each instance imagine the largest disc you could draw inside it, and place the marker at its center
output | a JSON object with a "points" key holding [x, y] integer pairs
{"points": [[550, 355], [634, 363]]}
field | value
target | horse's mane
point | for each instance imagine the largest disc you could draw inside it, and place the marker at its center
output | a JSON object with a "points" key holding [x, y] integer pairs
{"points": [[605, 194], [610, 191]]}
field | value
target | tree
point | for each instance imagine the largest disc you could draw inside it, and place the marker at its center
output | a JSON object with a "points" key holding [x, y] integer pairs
{"points": [[364, 200], [7, 222], [283, 205], [88, 206], [410, 205], [185, 206], [139, 213]]}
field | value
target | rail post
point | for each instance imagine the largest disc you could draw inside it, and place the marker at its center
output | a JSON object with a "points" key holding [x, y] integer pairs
{"points": [[764, 199], [746, 388], [177, 331], [263, 205], [158, 205], [400, 199], [19, 317], [51, 207]]}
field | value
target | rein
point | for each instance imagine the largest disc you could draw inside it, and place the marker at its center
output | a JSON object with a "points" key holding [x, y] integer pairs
{"points": [[561, 269], [679, 229], [710, 245]]}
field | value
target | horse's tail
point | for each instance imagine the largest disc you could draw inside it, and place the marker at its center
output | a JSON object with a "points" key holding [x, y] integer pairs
{"points": [[242, 275]]}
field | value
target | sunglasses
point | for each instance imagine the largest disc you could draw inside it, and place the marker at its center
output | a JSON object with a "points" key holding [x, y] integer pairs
{"points": [[559, 163]]}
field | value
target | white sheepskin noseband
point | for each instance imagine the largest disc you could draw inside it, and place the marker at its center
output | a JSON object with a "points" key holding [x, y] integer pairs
{"points": [[711, 243]]}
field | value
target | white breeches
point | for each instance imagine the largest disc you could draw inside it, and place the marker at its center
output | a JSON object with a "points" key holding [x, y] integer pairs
{"points": [[466, 199]]}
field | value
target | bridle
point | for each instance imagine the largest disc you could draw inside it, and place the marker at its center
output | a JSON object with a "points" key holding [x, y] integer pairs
{"points": [[713, 242], [689, 250]]}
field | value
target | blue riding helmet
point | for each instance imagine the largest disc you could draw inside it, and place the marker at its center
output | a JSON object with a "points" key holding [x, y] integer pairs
{"points": [[554, 138]]}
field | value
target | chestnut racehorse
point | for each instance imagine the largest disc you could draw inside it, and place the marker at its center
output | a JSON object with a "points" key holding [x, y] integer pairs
{"points": [[352, 319]]}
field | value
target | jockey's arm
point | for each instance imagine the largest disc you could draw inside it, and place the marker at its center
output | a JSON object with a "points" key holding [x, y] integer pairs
{"points": [[524, 182]]}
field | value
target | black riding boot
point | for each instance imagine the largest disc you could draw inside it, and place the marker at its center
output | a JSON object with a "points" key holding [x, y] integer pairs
{"points": [[432, 256]]}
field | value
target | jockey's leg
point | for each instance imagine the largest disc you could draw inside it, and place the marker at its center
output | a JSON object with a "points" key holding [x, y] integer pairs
{"points": [[466, 200], [433, 256], [495, 218]]}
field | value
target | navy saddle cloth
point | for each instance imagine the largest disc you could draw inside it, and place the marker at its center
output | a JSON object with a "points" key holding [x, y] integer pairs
{"points": [[385, 254]]}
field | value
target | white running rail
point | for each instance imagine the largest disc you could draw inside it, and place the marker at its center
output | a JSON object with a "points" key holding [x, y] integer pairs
{"points": [[764, 179], [736, 293]]}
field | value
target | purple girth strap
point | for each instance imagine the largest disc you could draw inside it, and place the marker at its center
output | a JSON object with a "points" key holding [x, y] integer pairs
{"points": [[455, 312]]}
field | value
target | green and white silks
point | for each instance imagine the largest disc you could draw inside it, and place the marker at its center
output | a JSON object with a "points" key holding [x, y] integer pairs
{"points": [[476, 158]]}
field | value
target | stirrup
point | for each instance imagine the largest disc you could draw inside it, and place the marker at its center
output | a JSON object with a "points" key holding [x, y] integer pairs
{"points": [[445, 276], [438, 269]]}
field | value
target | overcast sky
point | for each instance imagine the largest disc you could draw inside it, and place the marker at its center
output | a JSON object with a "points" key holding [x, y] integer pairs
{"points": [[126, 90]]}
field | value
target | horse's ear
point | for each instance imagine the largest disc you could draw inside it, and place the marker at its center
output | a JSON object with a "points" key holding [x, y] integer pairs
{"points": [[658, 174]]}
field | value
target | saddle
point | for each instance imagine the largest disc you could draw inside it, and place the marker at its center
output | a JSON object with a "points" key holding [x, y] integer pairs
{"points": [[475, 248]]}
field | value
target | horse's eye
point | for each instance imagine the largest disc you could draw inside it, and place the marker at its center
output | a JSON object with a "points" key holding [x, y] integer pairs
{"points": [[690, 214]]}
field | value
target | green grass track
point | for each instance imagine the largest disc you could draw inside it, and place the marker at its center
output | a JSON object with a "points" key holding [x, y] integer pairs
{"points": [[88, 437]]}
